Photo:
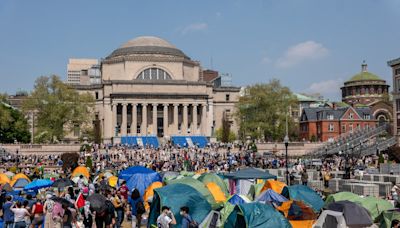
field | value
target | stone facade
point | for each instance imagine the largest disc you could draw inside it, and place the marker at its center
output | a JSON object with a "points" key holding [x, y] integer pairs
{"points": [[395, 65], [149, 87]]}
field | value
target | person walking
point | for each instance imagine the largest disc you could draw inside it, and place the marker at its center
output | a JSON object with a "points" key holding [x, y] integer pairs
{"points": [[48, 210], [187, 220], [137, 208], [118, 202]]}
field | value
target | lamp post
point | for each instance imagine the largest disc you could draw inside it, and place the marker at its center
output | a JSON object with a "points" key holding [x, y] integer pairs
{"points": [[286, 141]]}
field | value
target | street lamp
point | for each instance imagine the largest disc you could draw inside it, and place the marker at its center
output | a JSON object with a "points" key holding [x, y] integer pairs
{"points": [[286, 141]]}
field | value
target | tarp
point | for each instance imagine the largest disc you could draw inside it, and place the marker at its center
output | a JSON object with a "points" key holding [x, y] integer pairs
{"points": [[19, 176], [354, 214], [38, 184], [127, 173], [80, 170], [307, 195], [176, 196], [387, 217], [4, 179], [211, 177], [277, 186], [150, 192], [238, 199], [271, 196], [141, 181], [200, 187], [250, 173], [216, 192], [256, 215]]}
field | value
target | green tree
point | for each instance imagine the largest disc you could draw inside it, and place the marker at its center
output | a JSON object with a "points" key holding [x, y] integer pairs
{"points": [[263, 109], [89, 162], [59, 108], [13, 125], [219, 134]]}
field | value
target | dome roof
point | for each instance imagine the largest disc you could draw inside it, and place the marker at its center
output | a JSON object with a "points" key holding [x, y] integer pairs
{"points": [[147, 45], [364, 75]]}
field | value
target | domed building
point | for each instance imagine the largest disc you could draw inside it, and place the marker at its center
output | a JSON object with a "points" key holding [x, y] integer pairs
{"points": [[149, 87], [368, 89]]}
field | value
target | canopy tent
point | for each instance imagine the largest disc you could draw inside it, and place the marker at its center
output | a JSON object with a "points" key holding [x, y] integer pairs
{"points": [[255, 215], [176, 196], [388, 216], [354, 214], [271, 196], [199, 187], [238, 199], [214, 178], [277, 186], [17, 177], [38, 184], [141, 181], [127, 173], [216, 192], [149, 193], [4, 179], [307, 195], [80, 170], [250, 173]]}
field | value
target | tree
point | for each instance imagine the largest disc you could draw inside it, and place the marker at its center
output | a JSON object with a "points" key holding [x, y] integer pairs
{"points": [[263, 109], [89, 162], [218, 134], [13, 125], [59, 108], [70, 161]]}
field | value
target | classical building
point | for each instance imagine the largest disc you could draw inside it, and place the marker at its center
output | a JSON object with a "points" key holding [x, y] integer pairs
{"points": [[395, 65], [83, 72], [151, 88], [327, 123]]}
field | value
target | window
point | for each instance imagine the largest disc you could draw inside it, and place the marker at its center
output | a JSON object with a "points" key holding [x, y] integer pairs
{"points": [[398, 84], [154, 74], [331, 127], [329, 116], [367, 116], [76, 130], [97, 95], [358, 126], [351, 116], [351, 127], [343, 128], [397, 71], [227, 97], [398, 105]]}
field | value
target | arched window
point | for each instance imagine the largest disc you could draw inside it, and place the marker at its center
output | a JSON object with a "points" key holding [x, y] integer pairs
{"points": [[154, 74]]}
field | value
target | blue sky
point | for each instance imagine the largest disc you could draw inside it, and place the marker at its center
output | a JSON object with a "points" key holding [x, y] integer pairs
{"points": [[310, 45]]}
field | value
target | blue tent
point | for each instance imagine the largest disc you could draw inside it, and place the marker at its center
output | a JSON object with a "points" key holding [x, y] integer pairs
{"points": [[127, 173], [271, 196], [237, 200], [38, 184], [20, 183], [256, 215], [141, 181], [307, 195]]}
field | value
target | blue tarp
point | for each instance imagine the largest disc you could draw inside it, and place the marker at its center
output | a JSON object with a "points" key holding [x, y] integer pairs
{"points": [[38, 184], [271, 196], [141, 181], [307, 195]]}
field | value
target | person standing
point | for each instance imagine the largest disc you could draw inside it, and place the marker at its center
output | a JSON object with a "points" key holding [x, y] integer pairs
{"points": [[48, 210], [137, 208], [37, 211], [19, 215], [166, 218], [304, 177], [8, 215], [187, 220], [118, 202]]}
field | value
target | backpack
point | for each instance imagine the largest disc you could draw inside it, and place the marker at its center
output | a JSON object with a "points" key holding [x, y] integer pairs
{"points": [[192, 223], [140, 208]]}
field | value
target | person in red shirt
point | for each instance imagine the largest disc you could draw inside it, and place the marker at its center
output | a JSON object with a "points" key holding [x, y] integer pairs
{"points": [[37, 211], [124, 190]]}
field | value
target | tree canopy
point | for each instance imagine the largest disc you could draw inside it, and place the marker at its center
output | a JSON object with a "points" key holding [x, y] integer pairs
{"points": [[262, 111], [13, 124], [58, 108]]}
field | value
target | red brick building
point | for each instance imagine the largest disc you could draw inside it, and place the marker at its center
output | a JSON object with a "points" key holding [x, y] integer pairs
{"points": [[327, 123]]}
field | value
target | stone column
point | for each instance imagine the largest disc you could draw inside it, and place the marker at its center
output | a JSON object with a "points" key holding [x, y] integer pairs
{"points": [[165, 121], [124, 120], [194, 120], [143, 127], [203, 119], [176, 120], [155, 119], [114, 118], [134, 120], [185, 119]]}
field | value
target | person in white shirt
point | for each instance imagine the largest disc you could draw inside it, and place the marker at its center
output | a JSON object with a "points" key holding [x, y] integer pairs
{"points": [[166, 218], [19, 215]]}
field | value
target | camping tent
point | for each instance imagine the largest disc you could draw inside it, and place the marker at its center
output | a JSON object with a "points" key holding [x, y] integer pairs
{"points": [[354, 214], [277, 186], [255, 190], [388, 216], [255, 215], [149, 193], [141, 181], [299, 214], [4, 179], [80, 170], [340, 196], [271, 196], [20, 183], [176, 196], [214, 178], [127, 173], [216, 192], [238, 199], [19, 176], [307, 195]]}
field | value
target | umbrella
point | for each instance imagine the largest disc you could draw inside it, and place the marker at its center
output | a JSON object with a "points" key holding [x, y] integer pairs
{"points": [[353, 213], [38, 184], [62, 183], [63, 201], [97, 202]]}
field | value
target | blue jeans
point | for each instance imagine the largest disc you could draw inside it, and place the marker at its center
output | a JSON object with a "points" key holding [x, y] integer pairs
{"points": [[120, 218], [8, 225], [20, 224]]}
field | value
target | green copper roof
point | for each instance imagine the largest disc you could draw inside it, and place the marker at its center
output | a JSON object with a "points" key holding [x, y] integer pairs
{"points": [[364, 76]]}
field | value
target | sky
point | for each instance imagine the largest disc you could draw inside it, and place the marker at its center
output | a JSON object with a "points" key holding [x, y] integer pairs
{"points": [[311, 46]]}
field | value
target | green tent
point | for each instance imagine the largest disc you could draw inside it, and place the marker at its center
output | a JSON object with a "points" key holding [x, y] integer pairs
{"points": [[200, 187], [176, 196], [226, 211], [255, 215], [387, 217], [342, 196], [255, 190], [375, 206], [211, 177]]}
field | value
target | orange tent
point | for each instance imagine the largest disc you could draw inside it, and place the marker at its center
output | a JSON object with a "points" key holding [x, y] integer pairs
{"points": [[277, 186], [19, 176], [4, 179], [302, 223], [80, 170], [301, 215], [150, 193], [216, 192]]}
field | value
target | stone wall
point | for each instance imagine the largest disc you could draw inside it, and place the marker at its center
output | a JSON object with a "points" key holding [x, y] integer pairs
{"points": [[294, 149], [44, 149]]}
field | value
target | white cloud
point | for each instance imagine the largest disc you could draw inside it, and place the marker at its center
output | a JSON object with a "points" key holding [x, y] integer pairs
{"points": [[309, 50], [194, 28], [328, 88]]}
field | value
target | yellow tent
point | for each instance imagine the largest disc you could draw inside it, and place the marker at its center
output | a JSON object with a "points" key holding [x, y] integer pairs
{"points": [[4, 178], [112, 181], [18, 176], [216, 192], [81, 170], [150, 193], [277, 186]]}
